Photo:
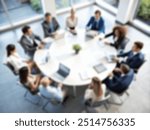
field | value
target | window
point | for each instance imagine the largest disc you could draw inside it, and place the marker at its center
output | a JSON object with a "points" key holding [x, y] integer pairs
{"points": [[66, 3], [113, 3], [143, 13], [12, 11]]}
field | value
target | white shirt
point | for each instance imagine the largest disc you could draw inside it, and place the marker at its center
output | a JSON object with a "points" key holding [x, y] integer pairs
{"points": [[51, 92], [71, 22], [90, 94], [16, 61]]}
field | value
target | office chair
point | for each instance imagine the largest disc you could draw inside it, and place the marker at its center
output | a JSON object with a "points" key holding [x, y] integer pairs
{"points": [[119, 97], [8, 65], [90, 107]]}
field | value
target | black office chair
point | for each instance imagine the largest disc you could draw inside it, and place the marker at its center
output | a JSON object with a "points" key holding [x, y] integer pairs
{"points": [[8, 65]]}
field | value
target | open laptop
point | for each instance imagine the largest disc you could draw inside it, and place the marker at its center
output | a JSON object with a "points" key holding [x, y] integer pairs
{"points": [[62, 72]]}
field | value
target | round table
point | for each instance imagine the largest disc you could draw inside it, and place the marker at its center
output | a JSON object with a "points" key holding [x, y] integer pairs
{"points": [[93, 52]]}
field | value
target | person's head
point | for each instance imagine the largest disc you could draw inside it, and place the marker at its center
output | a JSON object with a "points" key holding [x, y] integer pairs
{"points": [[119, 31], [124, 68], [72, 12], [10, 49], [137, 46], [96, 84], [23, 74], [97, 14], [45, 82], [48, 17], [27, 30]]}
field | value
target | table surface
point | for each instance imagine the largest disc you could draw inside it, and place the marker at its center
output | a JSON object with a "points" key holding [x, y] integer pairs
{"points": [[93, 52]]}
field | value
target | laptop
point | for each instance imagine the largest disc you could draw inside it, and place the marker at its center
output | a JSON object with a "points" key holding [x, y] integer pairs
{"points": [[91, 33], [63, 71]]}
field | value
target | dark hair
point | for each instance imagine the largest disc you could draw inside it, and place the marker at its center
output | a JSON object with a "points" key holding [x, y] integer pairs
{"points": [[25, 29], [47, 14], [98, 12], [125, 68], [121, 30], [97, 86], [139, 44], [23, 74], [10, 48]]}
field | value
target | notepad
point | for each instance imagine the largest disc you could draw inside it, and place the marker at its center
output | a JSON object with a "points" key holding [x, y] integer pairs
{"points": [[99, 68], [85, 75]]}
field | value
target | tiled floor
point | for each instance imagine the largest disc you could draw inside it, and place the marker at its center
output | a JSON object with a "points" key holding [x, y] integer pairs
{"points": [[12, 95]]}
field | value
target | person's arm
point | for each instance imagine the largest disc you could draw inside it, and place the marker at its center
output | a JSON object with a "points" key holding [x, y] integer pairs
{"points": [[109, 34], [102, 26], [46, 30], [90, 22], [56, 24], [37, 37], [124, 54], [26, 45], [34, 86]]}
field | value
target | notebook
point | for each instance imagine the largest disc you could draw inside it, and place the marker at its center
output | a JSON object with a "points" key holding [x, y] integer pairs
{"points": [[99, 68]]}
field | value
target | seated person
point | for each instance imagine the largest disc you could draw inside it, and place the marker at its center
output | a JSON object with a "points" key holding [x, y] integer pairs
{"points": [[120, 79], [16, 61], [51, 92], [29, 41], [96, 23], [35, 83], [50, 25], [134, 58], [95, 91], [71, 22], [119, 38], [31, 82]]}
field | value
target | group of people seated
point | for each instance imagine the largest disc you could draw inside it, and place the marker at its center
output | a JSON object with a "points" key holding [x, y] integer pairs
{"points": [[118, 81]]}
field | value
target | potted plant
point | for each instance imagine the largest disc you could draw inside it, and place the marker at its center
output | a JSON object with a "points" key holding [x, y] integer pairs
{"points": [[77, 48]]}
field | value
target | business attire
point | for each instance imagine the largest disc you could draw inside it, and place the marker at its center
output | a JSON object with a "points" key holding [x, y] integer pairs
{"points": [[119, 43], [90, 94], [96, 25], [50, 28], [71, 23], [134, 60], [52, 92], [29, 43], [16, 62], [119, 83]]}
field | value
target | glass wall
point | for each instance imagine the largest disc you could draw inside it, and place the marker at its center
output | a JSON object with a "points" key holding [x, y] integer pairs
{"points": [[12, 11], [66, 3], [113, 3], [143, 12]]}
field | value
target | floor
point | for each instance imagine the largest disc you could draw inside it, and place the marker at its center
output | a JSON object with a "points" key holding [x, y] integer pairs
{"points": [[12, 95]]}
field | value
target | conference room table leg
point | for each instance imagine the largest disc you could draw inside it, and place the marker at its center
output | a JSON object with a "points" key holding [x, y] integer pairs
{"points": [[74, 91]]}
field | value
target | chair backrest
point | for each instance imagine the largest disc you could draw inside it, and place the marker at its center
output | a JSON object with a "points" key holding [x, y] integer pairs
{"points": [[136, 70], [11, 68]]}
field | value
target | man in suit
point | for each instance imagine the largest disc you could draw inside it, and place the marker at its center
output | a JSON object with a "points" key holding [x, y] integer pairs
{"points": [[96, 23], [29, 41], [120, 79], [135, 57], [50, 26]]}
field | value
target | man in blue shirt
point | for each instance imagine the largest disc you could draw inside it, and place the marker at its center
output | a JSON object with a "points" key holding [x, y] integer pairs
{"points": [[96, 23]]}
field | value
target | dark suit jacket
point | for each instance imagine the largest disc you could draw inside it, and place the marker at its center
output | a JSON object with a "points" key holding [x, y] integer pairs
{"points": [[134, 61], [46, 27], [100, 27], [118, 83], [27, 45], [120, 44]]}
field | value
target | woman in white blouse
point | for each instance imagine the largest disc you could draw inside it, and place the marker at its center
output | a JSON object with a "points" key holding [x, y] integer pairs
{"points": [[14, 59], [71, 22], [95, 91]]}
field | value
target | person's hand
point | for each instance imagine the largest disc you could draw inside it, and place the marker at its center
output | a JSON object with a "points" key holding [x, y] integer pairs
{"points": [[106, 41], [60, 85], [110, 74], [41, 46], [116, 59]]}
